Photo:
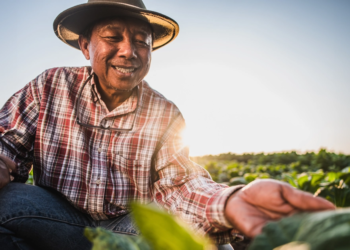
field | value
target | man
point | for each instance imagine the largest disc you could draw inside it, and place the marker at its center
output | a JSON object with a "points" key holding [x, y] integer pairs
{"points": [[98, 137]]}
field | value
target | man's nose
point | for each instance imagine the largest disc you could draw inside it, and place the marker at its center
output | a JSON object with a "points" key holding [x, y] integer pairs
{"points": [[127, 49]]}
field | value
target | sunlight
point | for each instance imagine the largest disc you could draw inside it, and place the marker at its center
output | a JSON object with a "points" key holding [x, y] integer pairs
{"points": [[251, 118]]}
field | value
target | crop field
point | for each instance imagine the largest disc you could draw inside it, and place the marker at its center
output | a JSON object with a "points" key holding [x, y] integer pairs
{"points": [[323, 173]]}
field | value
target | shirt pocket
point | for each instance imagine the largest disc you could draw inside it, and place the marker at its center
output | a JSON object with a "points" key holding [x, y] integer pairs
{"points": [[138, 172]]}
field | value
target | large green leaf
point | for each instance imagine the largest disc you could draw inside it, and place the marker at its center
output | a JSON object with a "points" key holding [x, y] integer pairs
{"points": [[321, 231], [278, 233], [163, 231], [326, 230]]}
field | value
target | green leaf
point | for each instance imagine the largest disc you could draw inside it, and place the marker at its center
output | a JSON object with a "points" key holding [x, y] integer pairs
{"points": [[264, 176], [338, 196], [303, 182], [278, 233], [321, 231], [316, 179], [250, 177], [332, 176], [326, 230], [290, 179], [163, 231], [237, 181], [103, 239], [346, 170]]}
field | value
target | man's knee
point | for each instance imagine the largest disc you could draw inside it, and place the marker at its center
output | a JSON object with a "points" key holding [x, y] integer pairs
{"points": [[20, 200], [12, 197]]}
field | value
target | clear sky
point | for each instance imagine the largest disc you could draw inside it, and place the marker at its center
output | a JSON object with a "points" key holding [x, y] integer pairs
{"points": [[248, 75]]}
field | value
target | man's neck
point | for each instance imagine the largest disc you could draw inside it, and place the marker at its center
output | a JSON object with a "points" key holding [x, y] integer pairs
{"points": [[112, 97]]}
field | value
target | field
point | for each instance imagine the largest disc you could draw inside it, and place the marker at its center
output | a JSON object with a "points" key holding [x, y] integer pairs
{"points": [[325, 174]]}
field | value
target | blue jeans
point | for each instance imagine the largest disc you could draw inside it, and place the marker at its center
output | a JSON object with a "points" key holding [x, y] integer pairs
{"points": [[32, 217]]}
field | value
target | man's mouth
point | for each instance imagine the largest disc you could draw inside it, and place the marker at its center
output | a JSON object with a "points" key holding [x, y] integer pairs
{"points": [[124, 70]]}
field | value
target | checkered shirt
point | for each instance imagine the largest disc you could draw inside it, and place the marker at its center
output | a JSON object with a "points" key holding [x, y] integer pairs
{"points": [[100, 171]]}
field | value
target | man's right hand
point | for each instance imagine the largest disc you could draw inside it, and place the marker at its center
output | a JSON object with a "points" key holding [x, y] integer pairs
{"points": [[6, 167]]}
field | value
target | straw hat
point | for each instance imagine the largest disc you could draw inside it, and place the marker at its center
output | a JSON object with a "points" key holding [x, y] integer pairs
{"points": [[73, 21]]}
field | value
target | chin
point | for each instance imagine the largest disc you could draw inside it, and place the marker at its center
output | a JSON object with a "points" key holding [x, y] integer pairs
{"points": [[124, 88]]}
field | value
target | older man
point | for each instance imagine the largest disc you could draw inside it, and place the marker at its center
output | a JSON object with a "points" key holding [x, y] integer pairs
{"points": [[100, 136]]}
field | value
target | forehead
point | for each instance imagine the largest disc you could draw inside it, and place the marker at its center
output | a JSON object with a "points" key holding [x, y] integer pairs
{"points": [[120, 24]]}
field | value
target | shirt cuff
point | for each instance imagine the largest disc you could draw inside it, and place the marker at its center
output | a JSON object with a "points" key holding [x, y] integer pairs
{"points": [[216, 207]]}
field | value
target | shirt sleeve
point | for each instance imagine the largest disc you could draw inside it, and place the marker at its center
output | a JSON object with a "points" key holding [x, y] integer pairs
{"points": [[186, 189], [18, 119]]}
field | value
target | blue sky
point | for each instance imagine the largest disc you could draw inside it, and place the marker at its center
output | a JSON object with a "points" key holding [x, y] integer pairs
{"points": [[249, 76]]}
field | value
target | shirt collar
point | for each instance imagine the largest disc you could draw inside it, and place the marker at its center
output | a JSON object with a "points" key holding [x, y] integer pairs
{"points": [[128, 106]]}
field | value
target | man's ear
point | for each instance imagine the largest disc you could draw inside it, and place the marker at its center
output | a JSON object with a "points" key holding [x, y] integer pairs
{"points": [[84, 46]]}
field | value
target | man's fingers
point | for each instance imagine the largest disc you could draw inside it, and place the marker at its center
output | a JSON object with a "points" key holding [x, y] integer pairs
{"points": [[305, 201], [9, 163], [276, 215], [2, 129], [267, 194]]}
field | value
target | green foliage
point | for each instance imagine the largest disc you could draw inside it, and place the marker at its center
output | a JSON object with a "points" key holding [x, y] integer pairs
{"points": [[338, 196], [309, 231], [30, 178], [324, 174], [103, 239], [309, 182], [213, 170], [327, 161], [159, 231], [163, 231]]}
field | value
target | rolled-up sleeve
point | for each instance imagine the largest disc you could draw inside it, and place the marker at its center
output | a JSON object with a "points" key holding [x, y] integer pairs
{"points": [[18, 120], [186, 189]]}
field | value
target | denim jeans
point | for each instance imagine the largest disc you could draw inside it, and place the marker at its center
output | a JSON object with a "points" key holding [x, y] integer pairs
{"points": [[32, 217]]}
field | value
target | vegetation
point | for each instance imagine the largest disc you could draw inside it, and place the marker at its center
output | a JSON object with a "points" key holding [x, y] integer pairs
{"points": [[324, 173], [306, 231], [166, 233]]}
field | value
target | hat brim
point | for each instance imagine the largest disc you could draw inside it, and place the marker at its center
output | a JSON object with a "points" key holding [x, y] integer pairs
{"points": [[70, 23]]}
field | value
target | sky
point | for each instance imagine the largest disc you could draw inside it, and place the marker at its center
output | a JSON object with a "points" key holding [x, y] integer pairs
{"points": [[248, 75]]}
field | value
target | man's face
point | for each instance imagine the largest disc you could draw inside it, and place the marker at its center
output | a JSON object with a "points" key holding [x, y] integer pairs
{"points": [[120, 52]]}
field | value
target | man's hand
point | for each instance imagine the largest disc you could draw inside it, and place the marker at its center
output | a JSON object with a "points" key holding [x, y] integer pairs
{"points": [[6, 167], [261, 201]]}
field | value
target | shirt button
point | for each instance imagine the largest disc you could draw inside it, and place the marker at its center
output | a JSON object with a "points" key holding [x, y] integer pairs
{"points": [[98, 182], [99, 150]]}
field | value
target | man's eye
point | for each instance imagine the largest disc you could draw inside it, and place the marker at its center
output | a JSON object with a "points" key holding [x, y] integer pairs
{"points": [[114, 38], [142, 42]]}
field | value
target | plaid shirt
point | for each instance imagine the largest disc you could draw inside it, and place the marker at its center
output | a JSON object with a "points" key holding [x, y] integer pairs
{"points": [[100, 171]]}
